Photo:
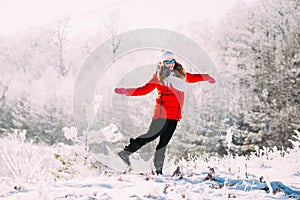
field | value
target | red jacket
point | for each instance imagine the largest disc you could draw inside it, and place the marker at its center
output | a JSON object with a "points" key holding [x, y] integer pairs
{"points": [[170, 101]]}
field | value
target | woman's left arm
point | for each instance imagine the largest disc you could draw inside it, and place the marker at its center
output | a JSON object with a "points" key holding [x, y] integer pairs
{"points": [[193, 78]]}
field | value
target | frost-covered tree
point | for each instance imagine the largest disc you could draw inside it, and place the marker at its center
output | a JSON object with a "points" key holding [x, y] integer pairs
{"points": [[35, 94], [260, 44]]}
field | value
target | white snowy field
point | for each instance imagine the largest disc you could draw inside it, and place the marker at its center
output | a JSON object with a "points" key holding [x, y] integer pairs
{"points": [[31, 172]]}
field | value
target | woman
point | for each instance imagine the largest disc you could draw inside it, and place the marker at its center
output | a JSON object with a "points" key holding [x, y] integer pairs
{"points": [[170, 81]]}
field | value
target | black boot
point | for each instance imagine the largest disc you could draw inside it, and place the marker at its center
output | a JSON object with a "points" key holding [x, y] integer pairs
{"points": [[133, 146], [124, 155], [128, 150], [158, 162], [158, 172]]}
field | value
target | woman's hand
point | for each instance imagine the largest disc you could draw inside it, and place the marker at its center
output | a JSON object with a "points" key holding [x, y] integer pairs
{"points": [[211, 79], [121, 91]]}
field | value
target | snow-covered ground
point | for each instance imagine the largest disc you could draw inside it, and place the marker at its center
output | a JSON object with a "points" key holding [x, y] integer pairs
{"points": [[30, 172]]}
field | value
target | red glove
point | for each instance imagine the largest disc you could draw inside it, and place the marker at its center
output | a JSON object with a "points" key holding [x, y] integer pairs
{"points": [[121, 91], [211, 79]]}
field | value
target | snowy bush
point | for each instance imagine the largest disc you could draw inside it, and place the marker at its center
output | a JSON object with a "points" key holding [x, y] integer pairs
{"points": [[22, 162], [71, 161], [74, 160]]}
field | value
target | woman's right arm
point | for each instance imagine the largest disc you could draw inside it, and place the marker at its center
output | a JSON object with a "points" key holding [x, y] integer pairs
{"points": [[143, 90]]}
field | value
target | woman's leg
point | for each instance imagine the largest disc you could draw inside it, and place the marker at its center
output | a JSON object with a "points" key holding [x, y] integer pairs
{"points": [[157, 127], [165, 137]]}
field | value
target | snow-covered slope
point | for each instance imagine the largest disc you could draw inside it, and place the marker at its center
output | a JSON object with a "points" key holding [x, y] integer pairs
{"points": [[214, 179], [32, 172]]}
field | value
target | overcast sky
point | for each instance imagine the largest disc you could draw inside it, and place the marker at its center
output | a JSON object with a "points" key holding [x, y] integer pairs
{"points": [[85, 15]]}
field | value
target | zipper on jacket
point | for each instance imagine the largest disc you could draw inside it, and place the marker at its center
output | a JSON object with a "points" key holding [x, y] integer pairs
{"points": [[161, 101], [178, 105]]}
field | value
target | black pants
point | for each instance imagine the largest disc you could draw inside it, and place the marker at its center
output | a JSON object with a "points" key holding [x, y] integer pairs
{"points": [[162, 128]]}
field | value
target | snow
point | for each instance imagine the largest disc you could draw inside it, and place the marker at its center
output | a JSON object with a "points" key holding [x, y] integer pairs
{"points": [[266, 175], [147, 186], [111, 133], [70, 133]]}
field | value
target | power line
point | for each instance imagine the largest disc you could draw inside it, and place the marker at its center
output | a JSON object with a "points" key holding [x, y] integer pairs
{"points": [[95, 10]]}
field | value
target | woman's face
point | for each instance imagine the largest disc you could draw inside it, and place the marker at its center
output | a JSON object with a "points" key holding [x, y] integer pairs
{"points": [[169, 62]]}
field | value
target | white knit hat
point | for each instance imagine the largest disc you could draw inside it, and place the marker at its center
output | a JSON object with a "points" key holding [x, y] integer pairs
{"points": [[166, 54]]}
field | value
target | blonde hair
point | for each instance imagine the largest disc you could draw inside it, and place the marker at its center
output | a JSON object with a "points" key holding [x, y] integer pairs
{"points": [[178, 68]]}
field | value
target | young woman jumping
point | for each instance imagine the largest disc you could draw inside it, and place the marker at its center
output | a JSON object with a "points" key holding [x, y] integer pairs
{"points": [[170, 81]]}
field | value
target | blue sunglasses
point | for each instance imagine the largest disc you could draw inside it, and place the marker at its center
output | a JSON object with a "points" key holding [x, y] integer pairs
{"points": [[170, 61]]}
